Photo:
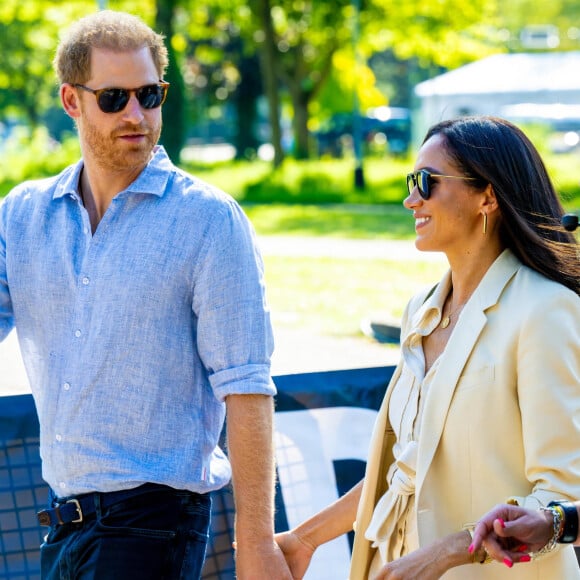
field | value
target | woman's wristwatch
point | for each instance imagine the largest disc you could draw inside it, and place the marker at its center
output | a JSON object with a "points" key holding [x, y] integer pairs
{"points": [[569, 521]]}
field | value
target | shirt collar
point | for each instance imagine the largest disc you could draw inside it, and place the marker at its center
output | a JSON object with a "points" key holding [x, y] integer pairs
{"points": [[424, 321], [152, 180], [429, 315], [69, 182], [487, 292]]}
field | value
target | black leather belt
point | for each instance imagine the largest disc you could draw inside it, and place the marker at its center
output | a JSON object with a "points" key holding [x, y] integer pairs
{"points": [[76, 509]]}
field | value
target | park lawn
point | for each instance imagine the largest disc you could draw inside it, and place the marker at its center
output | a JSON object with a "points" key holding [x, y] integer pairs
{"points": [[385, 222], [330, 182], [331, 296]]}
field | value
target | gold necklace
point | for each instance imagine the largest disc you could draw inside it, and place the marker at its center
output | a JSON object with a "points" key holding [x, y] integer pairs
{"points": [[445, 320]]}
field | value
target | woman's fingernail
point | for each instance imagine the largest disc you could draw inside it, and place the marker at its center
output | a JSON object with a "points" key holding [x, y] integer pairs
{"points": [[526, 558], [508, 562], [471, 548], [501, 522], [522, 548]]}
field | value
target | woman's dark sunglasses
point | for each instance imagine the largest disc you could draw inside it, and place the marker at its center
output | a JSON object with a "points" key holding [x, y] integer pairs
{"points": [[422, 180], [114, 100]]}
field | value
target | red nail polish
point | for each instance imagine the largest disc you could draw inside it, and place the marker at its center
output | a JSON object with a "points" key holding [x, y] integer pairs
{"points": [[501, 522], [508, 563], [471, 548], [525, 558]]}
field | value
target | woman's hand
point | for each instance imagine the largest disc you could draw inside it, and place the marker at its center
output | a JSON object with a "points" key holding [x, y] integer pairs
{"points": [[299, 543], [430, 562], [297, 552], [508, 532], [413, 565]]}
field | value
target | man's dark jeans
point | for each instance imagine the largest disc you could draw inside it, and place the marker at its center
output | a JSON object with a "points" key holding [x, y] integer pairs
{"points": [[155, 534]]}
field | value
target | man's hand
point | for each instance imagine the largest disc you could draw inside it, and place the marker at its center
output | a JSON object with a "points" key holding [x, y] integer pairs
{"points": [[296, 551], [263, 562], [251, 453]]}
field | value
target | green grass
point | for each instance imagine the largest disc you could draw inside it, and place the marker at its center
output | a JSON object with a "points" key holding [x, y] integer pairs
{"points": [[331, 296], [329, 181], [389, 222]]}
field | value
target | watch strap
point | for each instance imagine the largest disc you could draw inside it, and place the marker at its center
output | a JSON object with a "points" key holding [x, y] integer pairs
{"points": [[570, 524]]}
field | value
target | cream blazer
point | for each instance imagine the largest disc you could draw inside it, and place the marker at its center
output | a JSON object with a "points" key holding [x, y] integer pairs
{"points": [[501, 418]]}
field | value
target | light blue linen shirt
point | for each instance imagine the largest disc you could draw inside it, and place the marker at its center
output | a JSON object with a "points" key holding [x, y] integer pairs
{"points": [[132, 338]]}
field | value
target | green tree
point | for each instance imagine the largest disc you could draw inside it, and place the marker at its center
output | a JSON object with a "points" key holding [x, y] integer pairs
{"points": [[307, 35], [28, 35], [263, 13], [305, 49], [173, 133], [313, 39]]}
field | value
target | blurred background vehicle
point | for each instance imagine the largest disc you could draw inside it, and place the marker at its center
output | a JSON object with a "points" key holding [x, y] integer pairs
{"points": [[381, 127]]}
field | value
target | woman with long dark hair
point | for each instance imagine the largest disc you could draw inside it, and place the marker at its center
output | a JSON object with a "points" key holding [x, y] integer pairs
{"points": [[483, 406], [494, 151]]}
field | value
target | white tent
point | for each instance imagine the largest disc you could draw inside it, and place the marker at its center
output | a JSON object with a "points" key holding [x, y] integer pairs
{"points": [[548, 83]]}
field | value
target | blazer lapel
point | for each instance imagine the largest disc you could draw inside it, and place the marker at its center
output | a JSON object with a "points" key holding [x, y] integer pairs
{"points": [[461, 343]]}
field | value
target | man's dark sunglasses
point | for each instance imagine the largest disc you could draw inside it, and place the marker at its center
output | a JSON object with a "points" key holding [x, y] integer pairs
{"points": [[114, 100], [422, 180]]}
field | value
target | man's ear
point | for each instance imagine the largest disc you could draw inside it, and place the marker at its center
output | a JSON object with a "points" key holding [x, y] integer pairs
{"points": [[70, 100]]}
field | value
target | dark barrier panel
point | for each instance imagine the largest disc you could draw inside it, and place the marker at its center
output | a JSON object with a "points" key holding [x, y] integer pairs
{"points": [[323, 422]]}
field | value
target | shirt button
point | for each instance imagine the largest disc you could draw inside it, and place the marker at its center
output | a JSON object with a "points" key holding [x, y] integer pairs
{"points": [[78, 333], [66, 386], [58, 437], [62, 485], [86, 281]]}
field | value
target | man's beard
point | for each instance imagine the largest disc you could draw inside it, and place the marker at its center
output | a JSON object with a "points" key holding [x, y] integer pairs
{"points": [[109, 151]]}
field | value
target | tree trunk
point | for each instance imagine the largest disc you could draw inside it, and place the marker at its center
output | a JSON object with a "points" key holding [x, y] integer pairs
{"points": [[246, 98], [300, 100], [270, 79], [297, 77], [173, 133]]}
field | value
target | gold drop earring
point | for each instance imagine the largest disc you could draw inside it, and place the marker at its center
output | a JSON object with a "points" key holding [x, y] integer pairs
{"points": [[484, 223]]}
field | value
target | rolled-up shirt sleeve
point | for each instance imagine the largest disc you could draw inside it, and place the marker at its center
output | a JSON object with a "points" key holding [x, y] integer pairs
{"points": [[234, 333]]}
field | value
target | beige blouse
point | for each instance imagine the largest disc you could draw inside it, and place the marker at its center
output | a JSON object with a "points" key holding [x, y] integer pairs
{"points": [[392, 528]]}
